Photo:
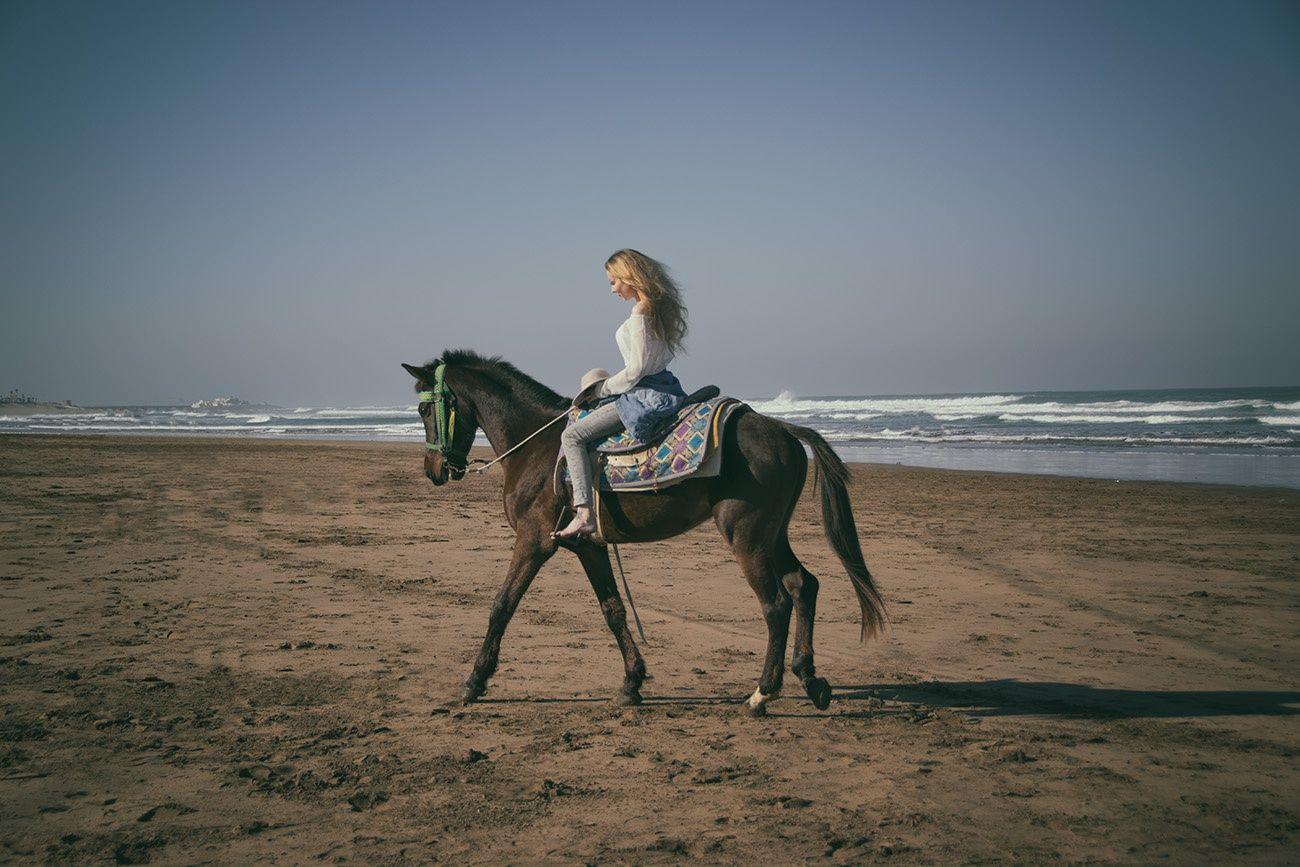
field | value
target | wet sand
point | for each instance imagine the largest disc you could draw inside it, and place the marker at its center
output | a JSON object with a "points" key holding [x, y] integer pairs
{"points": [[218, 650]]}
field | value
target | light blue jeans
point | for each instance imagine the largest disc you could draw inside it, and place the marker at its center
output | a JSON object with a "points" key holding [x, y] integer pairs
{"points": [[594, 426]]}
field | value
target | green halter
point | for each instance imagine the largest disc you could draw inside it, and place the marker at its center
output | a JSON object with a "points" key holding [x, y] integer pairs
{"points": [[444, 419]]}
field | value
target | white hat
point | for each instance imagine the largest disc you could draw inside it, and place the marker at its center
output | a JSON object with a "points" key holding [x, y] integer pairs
{"points": [[591, 381], [596, 374]]}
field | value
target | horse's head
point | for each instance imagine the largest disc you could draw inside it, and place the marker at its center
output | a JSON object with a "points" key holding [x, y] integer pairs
{"points": [[449, 423]]}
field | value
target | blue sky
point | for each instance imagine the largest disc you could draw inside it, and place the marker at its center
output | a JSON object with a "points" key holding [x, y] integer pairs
{"points": [[285, 200]]}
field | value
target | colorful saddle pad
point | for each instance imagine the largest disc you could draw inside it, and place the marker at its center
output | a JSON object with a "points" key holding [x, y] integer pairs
{"points": [[689, 449]]}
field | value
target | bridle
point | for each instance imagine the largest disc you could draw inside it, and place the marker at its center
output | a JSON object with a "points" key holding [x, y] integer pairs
{"points": [[441, 403]]}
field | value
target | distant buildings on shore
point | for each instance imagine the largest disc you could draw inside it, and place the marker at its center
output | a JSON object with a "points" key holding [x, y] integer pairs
{"points": [[19, 397], [16, 397]]}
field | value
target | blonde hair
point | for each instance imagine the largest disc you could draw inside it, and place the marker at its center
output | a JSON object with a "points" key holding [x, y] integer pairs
{"points": [[650, 280]]}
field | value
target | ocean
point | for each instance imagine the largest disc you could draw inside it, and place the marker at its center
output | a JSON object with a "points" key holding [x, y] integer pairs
{"points": [[1248, 436], [1242, 436]]}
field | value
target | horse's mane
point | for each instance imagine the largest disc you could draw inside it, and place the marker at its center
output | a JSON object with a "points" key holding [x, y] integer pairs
{"points": [[502, 372]]}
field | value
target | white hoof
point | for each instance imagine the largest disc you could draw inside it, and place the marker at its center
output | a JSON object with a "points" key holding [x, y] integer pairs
{"points": [[759, 698]]}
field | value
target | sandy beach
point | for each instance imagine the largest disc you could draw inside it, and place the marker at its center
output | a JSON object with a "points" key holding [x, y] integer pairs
{"points": [[233, 650]]}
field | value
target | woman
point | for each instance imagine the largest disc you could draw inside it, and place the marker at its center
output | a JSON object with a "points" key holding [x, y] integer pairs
{"points": [[643, 396]]}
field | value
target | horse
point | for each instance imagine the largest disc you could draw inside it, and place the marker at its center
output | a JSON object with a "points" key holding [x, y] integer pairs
{"points": [[751, 501]]}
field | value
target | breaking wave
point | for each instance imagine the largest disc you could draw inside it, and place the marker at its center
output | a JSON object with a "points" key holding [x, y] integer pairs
{"points": [[1244, 419]]}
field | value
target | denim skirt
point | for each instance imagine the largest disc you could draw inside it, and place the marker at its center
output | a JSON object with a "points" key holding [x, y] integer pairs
{"points": [[648, 409]]}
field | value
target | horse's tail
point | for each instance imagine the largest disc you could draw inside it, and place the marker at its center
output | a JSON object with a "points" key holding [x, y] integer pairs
{"points": [[841, 532]]}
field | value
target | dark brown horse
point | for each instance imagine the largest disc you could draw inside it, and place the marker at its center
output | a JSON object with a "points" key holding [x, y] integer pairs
{"points": [[763, 473]]}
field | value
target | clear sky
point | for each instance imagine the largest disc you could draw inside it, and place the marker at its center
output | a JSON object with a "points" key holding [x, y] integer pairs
{"points": [[285, 200]]}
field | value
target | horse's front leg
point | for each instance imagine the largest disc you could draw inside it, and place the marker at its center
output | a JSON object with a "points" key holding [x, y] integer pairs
{"points": [[595, 560], [531, 551]]}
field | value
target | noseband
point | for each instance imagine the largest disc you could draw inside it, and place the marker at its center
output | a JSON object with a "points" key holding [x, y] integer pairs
{"points": [[441, 402]]}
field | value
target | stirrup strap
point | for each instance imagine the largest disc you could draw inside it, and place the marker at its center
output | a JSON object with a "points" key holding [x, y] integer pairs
{"points": [[628, 591]]}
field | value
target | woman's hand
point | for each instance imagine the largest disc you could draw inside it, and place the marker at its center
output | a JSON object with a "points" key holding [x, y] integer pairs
{"points": [[589, 396]]}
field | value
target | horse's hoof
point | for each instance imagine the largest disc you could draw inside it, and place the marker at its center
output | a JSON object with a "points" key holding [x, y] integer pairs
{"points": [[756, 709], [820, 692], [627, 699], [470, 694]]}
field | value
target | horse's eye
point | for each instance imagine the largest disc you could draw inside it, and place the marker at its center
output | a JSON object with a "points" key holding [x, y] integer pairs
{"points": [[424, 410]]}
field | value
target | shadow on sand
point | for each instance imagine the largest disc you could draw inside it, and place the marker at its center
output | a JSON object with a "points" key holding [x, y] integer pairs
{"points": [[996, 698], [1016, 698]]}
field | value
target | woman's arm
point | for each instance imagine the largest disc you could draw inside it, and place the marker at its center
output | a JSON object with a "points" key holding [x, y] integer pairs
{"points": [[637, 361]]}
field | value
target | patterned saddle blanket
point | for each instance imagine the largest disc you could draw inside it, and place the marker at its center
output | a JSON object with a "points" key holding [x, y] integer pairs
{"points": [[692, 448]]}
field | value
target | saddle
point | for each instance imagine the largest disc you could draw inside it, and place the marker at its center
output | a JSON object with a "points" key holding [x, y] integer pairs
{"points": [[690, 449]]}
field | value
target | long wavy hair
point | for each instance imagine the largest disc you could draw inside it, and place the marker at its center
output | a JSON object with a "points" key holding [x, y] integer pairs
{"points": [[653, 285]]}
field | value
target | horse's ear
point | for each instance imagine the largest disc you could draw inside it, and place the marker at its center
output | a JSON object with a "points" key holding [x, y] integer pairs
{"points": [[414, 371]]}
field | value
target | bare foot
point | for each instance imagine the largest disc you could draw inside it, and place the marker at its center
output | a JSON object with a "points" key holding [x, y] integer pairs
{"points": [[581, 525]]}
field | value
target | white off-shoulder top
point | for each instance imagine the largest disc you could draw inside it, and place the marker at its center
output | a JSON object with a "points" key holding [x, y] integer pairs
{"points": [[643, 352]]}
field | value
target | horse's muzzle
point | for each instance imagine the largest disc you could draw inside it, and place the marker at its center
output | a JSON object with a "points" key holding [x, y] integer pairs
{"points": [[435, 470]]}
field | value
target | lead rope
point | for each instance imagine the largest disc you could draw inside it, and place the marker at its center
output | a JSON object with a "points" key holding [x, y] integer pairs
{"points": [[483, 469]]}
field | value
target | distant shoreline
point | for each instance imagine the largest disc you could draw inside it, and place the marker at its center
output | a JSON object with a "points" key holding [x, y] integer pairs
{"points": [[19, 410], [856, 458], [22, 410]]}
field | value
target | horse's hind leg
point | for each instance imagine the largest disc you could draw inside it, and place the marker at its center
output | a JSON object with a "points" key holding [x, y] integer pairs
{"points": [[776, 612], [751, 546], [595, 561], [802, 586]]}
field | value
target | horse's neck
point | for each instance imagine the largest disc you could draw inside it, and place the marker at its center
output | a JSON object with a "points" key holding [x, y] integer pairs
{"points": [[506, 419], [504, 415], [507, 427]]}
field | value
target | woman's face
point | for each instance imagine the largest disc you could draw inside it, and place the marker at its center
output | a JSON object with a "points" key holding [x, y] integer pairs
{"points": [[619, 288]]}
